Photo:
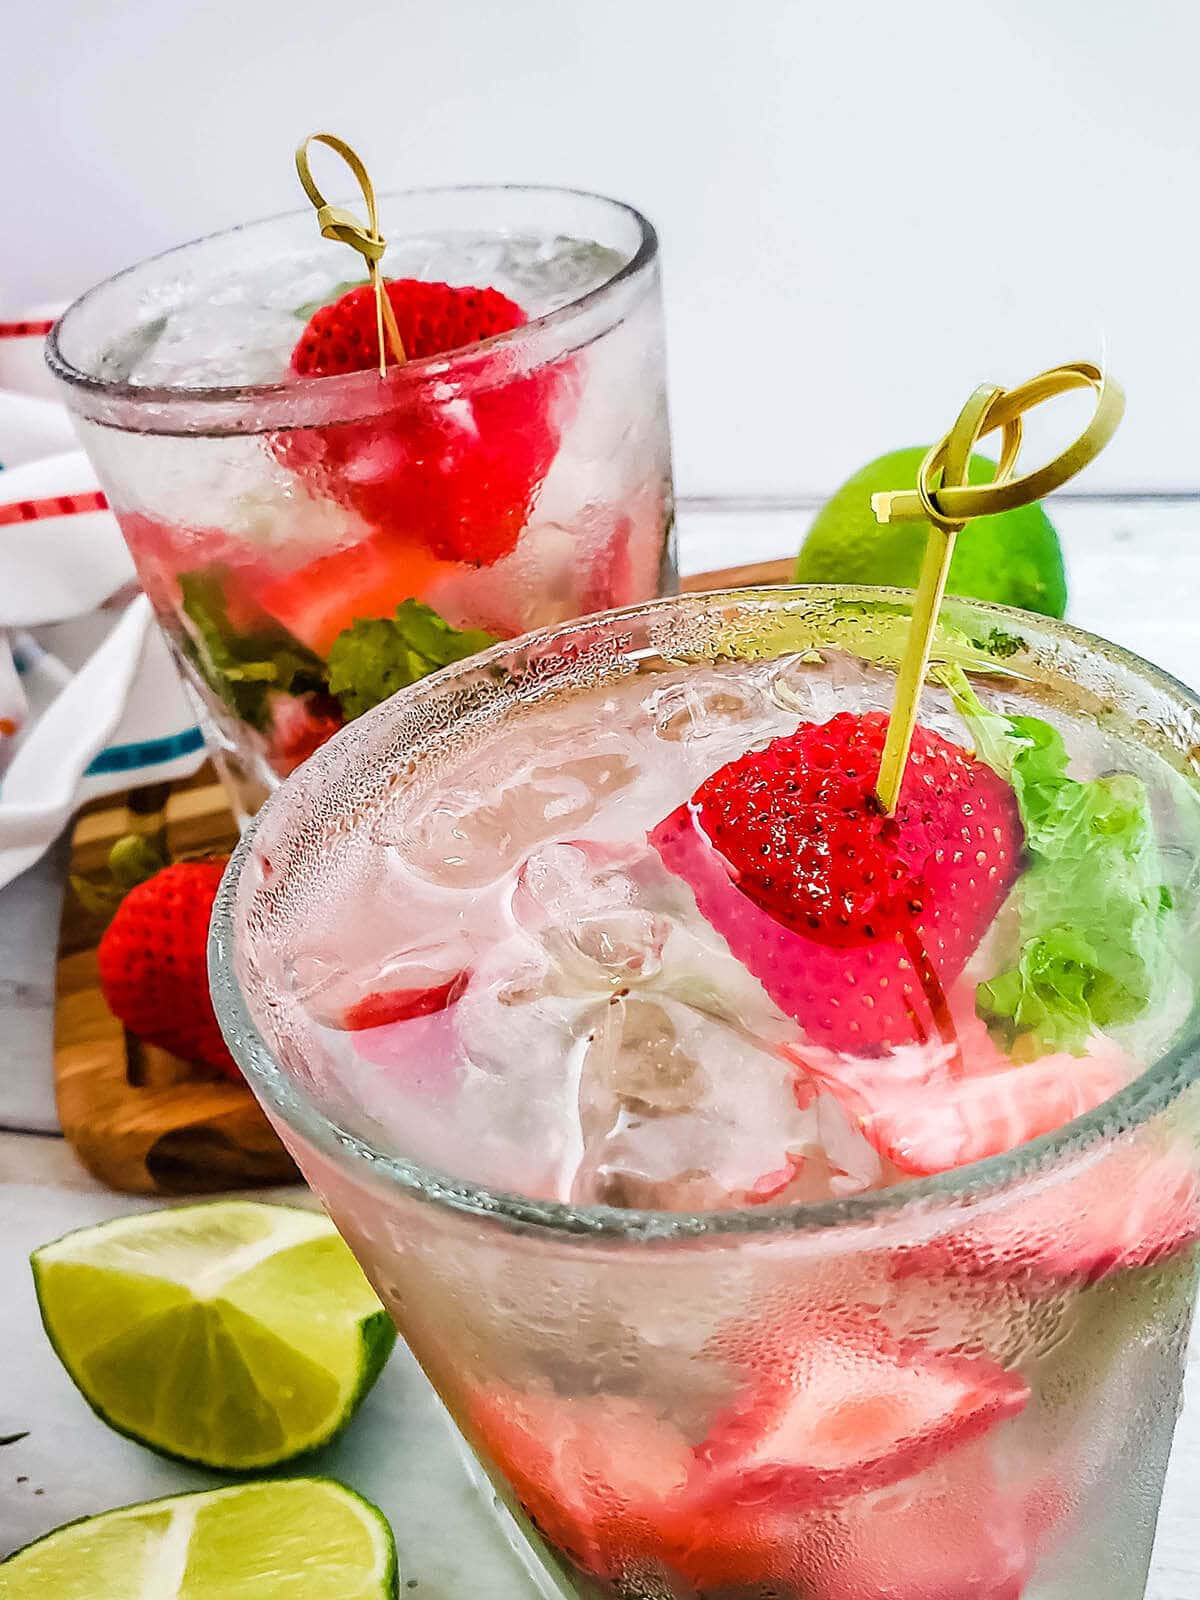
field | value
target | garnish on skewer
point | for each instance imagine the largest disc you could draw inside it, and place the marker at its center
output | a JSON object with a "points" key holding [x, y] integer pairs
{"points": [[336, 222], [451, 473], [854, 866], [945, 500]]}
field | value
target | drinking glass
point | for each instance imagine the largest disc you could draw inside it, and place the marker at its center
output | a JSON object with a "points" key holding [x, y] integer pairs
{"points": [[589, 1352], [312, 543]]}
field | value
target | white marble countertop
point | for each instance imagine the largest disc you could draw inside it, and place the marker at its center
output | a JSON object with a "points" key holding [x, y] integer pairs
{"points": [[1135, 576]]}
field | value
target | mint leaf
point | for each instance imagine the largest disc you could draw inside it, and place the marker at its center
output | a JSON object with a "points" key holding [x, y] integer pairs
{"points": [[242, 668], [999, 644], [371, 659], [1094, 910]]}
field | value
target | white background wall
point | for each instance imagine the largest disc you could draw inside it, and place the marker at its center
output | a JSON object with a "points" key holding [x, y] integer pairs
{"points": [[865, 208]]}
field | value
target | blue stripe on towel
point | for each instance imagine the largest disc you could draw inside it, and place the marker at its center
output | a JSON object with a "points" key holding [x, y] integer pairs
{"points": [[146, 752]]}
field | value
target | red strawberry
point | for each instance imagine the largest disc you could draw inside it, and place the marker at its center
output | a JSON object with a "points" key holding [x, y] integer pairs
{"points": [[927, 1112], [152, 963], [163, 550], [597, 1474], [402, 1005], [432, 319], [300, 724], [854, 922], [420, 1056], [365, 580], [1132, 1206], [952, 1534], [457, 473], [759, 1549], [611, 580], [835, 1407]]}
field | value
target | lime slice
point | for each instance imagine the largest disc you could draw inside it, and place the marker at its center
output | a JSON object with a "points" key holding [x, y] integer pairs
{"points": [[1013, 558], [296, 1539], [236, 1335]]}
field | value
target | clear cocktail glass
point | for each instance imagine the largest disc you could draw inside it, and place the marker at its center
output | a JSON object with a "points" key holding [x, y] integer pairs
{"points": [[310, 543], [854, 1385]]}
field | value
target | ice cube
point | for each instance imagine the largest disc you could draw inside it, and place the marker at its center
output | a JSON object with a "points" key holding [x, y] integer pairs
{"points": [[547, 273], [219, 344], [466, 836], [638, 1064], [515, 1123], [816, 685], [679, 1111], [581, 901], [483, 1088], [708, 704], [611, 917], [330, 991]]}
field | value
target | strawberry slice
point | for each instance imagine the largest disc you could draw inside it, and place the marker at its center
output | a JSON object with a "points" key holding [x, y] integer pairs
{"points": [[457, 473], [1130, 1210], [845, 1408], [1133, 1206], [300, 724], [402, 1005], [855, 923], [163, 550], [599, 1475], [929, 1110], [952, 1534], [764, 1549], [611, 579], [412, 1036], [369, 579], [973, 1118]]}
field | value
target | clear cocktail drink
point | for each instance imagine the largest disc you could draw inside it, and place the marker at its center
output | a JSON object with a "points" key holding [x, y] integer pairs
{"points": [[314, 536], [787, 1200]]}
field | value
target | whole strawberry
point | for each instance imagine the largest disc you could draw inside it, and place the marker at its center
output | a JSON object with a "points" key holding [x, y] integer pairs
{"points": [[854, 922], [455, 475], [153, 968]]}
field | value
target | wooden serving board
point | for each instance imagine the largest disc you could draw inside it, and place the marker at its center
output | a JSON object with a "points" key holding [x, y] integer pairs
{"points": [[139, 1119]]}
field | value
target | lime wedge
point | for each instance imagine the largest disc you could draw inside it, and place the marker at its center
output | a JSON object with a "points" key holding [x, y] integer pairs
{"points": [[236, 1335], [296, 1539], [1013, 558]]}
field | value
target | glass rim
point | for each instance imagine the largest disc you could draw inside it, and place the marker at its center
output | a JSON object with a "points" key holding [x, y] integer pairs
{"points": [[412, 373], [1154, 1088]]}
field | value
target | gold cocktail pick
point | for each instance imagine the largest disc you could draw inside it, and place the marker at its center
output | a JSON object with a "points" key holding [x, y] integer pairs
{"points": [[336, 222], [945, 500]]}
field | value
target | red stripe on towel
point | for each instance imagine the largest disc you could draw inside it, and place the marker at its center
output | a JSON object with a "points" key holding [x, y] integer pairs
{"points": [[25, 330], [59, 505]]}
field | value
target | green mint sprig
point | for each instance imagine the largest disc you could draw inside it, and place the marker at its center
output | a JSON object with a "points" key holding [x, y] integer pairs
{"points": [[370, 660], [243, 667], [1094, 912]]}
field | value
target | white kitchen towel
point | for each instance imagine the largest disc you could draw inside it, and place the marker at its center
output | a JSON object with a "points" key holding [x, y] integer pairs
{"points": [[23, 366], [90, 702], [32, 428], [61, 551]]}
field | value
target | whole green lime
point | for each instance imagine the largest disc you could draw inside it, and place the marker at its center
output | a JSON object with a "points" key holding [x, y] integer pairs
{"points": [[1013, 558]]}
